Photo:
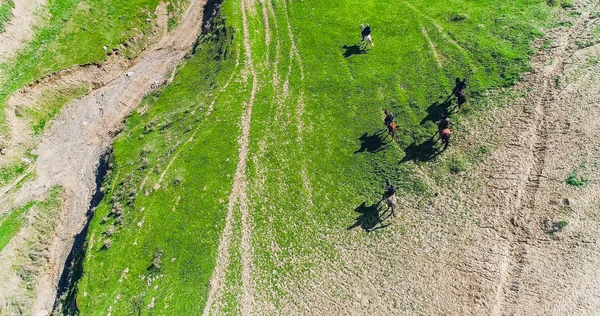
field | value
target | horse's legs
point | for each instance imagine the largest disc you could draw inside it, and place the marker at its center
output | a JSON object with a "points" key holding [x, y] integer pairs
{"points": [[446, 142]]}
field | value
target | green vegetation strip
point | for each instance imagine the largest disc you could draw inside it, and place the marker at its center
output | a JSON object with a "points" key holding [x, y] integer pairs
{"points": [[51, 104], [154, 237], [6, 7], [12, 221], [10, 225]]}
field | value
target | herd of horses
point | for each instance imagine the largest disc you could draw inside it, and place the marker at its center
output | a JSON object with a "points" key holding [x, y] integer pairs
{"points": [[444, 133]]}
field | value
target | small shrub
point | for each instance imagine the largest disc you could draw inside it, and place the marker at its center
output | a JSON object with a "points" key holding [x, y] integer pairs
{"points": [[576, 180], [567, 4], [457, 165], [458, 17], [156, 260]]}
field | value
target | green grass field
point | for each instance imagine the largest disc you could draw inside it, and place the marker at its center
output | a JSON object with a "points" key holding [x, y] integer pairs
{"points": [[315, 162]]}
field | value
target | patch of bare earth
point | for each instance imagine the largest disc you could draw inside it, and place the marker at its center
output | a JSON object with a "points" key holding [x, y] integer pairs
{"points": [[19, 29], [68, 152], [510, 237]]}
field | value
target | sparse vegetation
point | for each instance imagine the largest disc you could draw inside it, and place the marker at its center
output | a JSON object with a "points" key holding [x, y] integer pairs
{"points": [[6, 7], [11, 222], [576, 180], [31, 256], [51, 103]]}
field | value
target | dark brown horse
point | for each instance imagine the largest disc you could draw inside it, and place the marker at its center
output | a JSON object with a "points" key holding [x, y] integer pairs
{"points": [[445, 134], [392, 130], [460, 93], [390, 124]]}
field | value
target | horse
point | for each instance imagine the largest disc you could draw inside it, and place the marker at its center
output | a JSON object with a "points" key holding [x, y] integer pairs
{"points": [[390, 202], [389, 197], [392, 130], [388, 121], [445, 134]]}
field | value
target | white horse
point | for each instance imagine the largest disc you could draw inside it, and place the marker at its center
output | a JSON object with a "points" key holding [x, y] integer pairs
{"points": [[366, 38]]}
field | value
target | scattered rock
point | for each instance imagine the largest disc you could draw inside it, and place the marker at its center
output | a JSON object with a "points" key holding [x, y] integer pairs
{"points": [[130, 74], [156, 261], [107, 244], [109, 231], [151, 305]]}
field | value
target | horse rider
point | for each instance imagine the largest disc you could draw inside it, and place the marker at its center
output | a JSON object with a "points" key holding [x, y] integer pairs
{"points": [[444, 122], [389, 117], [459, 86]]}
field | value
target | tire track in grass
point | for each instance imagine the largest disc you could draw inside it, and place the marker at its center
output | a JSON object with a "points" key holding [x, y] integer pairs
{"points": [[532, 127], [238, 198], [295, 54], [444, 34], [436, 56]]}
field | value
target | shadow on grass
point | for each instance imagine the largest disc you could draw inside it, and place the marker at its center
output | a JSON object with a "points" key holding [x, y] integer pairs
{"points": [[369, 218], [372, 144], [353, 50], [434, 110], [422, 152]]}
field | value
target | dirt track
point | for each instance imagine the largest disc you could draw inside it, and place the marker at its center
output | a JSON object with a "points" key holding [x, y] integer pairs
{"points": [[20, 27], [70, 149]]}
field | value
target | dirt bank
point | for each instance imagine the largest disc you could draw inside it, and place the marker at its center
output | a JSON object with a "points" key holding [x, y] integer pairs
{"points": [[69, 150]]}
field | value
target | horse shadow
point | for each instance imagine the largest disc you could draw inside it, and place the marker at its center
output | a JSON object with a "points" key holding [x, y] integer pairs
{"points": [[422, 152], [355, 49], [434, 110], [373, 143], [369, 218]]}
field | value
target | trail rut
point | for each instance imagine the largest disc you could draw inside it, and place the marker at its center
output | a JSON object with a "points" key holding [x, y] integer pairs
{"points": [[238, 200]]}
